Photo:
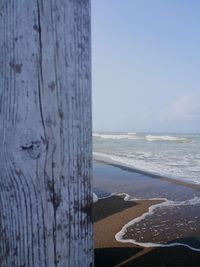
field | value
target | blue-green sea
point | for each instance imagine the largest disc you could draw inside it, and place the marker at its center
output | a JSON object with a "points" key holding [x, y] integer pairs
{"points": [[169, 155]]}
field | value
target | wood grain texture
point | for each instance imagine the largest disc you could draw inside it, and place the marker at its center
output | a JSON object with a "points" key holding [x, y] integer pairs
{"points": [[45, 133]]}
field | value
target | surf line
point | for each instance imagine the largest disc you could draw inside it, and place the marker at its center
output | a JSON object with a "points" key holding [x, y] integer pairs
{"points": [[166, 202]]}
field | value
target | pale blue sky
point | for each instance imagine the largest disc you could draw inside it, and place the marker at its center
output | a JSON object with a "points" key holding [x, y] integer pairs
{"points": [[146, 65]]}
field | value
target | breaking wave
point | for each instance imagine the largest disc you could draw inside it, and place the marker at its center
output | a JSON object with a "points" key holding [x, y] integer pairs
{"points": [[164, 138], [134, 136], [130, 136], [140, 162]]}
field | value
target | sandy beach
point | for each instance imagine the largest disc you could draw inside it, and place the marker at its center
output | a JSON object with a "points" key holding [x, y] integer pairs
{"points": [[180, 211]]}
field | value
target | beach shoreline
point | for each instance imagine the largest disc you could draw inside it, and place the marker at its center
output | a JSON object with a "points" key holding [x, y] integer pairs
{"points": [[152, 175], [109, 252], [114, 215]]}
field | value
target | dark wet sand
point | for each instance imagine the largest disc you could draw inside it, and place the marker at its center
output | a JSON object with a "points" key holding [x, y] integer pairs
{"points": [[110, 215]]}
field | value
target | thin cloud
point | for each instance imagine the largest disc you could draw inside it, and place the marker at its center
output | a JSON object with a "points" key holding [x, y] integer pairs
{"points": [[186, 107]]}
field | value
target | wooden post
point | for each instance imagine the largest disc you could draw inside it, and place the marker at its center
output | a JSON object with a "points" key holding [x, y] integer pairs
{"points": [[45, 133]]}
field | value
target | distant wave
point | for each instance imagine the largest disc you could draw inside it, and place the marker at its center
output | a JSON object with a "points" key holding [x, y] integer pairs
{"points": [[130, 136], [131, 133], [164, 138], [134, 136]]}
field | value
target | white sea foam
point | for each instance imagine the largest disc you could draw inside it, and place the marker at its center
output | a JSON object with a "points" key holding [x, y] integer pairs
{"points": [[165, 168], [175, 156], [132, 133], [164, 138], [165, 203], [95, 198], [129, 136]]}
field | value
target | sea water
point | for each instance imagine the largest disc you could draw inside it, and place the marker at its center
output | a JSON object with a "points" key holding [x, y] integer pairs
{"points": [[169, 155], [175, 221]]}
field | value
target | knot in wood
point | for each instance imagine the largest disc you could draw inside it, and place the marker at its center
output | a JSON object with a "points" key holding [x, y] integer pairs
{"points": [[33, 148], [31, 144]]}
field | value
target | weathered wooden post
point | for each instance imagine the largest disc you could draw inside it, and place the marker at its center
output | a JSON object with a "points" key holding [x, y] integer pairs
{"points": [[45, 133]]}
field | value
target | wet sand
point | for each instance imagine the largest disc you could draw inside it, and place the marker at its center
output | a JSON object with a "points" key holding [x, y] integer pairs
{"points": [[112, 213], [108, 223], [156, 176]]}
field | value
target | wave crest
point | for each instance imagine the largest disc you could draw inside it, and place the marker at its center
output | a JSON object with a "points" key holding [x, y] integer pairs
{"points": [[130, 136], [164, 138]]}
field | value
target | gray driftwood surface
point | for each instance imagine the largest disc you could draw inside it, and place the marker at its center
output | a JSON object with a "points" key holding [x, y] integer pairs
{"points": [[45, 133]]}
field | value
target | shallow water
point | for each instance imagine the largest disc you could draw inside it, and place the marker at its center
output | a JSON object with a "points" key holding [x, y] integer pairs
{"points": [[176, 220], [166, 225], [170, 155], [109, 179]]}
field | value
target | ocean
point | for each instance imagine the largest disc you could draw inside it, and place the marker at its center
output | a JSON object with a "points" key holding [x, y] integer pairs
{"points": [[175, 156]]}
